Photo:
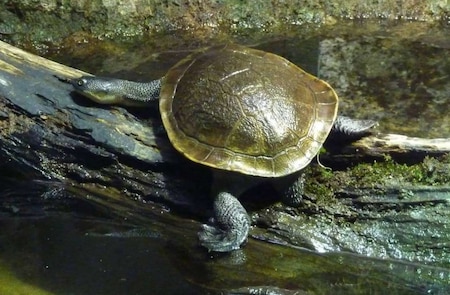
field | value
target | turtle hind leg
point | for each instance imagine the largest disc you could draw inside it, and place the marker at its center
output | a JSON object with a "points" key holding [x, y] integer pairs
{"points": [[230, 227], [352, 127], [290, 188], [292, 194], [347, 130]]}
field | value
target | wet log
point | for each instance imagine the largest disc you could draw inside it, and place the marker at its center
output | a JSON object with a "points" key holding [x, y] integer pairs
{"points": [[121, 157]]}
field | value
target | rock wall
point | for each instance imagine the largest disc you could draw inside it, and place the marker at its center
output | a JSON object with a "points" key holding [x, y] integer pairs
{"points": [[50, 22]]}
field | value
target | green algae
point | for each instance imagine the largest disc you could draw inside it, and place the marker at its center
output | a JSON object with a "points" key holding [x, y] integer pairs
{"points": [[430, 171]]}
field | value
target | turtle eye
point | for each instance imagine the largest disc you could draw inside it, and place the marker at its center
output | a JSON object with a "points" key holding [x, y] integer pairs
{"points": [[80, 82]]}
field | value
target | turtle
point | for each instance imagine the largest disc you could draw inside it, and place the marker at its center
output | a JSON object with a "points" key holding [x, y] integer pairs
{"points": [[250, 115]]}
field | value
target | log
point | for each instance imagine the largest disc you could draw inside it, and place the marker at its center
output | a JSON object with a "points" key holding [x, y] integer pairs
{"points": [[53, 135], [383, 144], [121, 162]]}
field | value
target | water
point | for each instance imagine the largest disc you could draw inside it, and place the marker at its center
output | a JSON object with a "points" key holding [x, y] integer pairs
{"points": [[393, 72], [54, 254]]}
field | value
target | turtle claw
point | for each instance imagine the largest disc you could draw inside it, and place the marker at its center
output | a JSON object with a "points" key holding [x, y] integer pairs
{"points": [[218, 240]]}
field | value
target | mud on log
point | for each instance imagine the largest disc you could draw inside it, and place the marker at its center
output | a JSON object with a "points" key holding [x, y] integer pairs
{"points": [[48, 133]]}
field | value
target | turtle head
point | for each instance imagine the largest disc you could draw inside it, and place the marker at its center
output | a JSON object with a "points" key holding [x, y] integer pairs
{"points": [[101, 90], [116, 91]]}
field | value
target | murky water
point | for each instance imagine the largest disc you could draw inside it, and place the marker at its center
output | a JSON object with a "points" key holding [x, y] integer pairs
{"points": [[55, 254], [60, 255], [395, 73]]}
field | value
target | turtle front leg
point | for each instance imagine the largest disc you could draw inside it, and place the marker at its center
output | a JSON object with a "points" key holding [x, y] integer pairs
{"points": [[230, 226]]}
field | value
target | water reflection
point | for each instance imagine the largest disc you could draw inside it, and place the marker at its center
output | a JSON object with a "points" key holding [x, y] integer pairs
{"points": [[68, 254], [55, 254]]}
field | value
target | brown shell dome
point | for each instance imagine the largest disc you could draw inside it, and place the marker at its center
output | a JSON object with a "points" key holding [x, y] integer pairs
{"points": [[240, 109]]}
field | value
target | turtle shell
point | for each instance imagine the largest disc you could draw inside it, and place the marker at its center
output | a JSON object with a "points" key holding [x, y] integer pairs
{"points": [[240, 109]]}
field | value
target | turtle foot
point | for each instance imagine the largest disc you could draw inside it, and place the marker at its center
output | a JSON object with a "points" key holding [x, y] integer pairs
{"points": [[229, 229], [218, 240], [346, 130], [352, 127]]}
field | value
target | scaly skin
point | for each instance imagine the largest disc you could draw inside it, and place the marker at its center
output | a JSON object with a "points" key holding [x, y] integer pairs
{"points": [[116, 91]]}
